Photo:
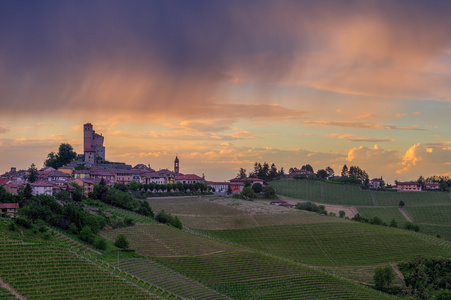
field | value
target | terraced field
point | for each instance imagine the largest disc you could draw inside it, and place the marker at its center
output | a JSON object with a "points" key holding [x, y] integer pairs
{"points": [[45, 271], [249, 275], [6, 295], [346, 243], [438, 214]]}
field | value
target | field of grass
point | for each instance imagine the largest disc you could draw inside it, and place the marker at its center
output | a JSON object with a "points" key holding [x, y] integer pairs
{"points": [[444, 231], [385, 213], [318, 191], [45, 271], [412, 198], [439, 214], [344, 243], [249, 275], [196, 212]]}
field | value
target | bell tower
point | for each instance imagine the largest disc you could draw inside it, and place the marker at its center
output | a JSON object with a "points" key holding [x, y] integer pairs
{"points": [[176, 165]]}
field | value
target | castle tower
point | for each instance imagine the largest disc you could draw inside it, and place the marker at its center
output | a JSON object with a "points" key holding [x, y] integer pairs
{"points": [[176, 165], [93, 145]]}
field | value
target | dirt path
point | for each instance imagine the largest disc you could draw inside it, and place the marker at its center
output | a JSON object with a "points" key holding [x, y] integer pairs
{"points": [[11, 290], [405, 214]]}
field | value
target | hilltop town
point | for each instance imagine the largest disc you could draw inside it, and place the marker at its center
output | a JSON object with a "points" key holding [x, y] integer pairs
{"points": [[91, 167]]}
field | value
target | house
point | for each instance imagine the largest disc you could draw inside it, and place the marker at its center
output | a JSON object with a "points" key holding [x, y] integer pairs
{"points": [[189, 178], [82, 173], [236, 187], [66, 169], [408, 186], [101, 173], [123, 176], [58, 177], [87, 184], [376, 183], [42, 187], [14, 174], [11, 188], [8, 210], [432, 185], [158, 178], [217, 187], [4, 181]]}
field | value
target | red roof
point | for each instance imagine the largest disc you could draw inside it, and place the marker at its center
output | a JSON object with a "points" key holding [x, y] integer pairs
{"points": [[432, 184], [41, 183], [9, 205], [4, 181], [188, 177], [408, 183]]}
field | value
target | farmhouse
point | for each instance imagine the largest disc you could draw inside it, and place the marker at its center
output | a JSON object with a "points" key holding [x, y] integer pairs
{"points": [[408, 186], [217, 187], [42, 187], [189, 178], [376, 183], [8, 209], [432, 185]]}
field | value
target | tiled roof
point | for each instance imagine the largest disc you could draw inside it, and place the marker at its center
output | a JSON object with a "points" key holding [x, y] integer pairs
{"points": [[9, 205], [188, 177]]}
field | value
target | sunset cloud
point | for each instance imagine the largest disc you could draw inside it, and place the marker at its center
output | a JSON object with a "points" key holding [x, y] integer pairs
{"points": [[360, 125]]}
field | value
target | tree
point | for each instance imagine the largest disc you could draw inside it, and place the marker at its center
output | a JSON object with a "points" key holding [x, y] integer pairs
{"points": [[248, 193], [342, 213], [281, 172], [344, 171], [257, 187], [121, 241], [65, 155], [272, 172], [269, 192], [330, 171], [393, 223], [322, 174], [32, 173], [383, 277], [307, 167], [241, 173], [443, 186], [292, 170], [401, 203], [28, 192]]}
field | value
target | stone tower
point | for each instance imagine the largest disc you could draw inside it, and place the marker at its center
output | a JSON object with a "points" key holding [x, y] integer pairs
{"points": [[176, 165], [93, 145]]}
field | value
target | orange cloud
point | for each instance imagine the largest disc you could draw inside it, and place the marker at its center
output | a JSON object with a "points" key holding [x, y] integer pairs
{"points": [[358, 125]]}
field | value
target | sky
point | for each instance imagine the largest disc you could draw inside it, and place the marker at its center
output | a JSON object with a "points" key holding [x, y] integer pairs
{"points": [[223, 84]]}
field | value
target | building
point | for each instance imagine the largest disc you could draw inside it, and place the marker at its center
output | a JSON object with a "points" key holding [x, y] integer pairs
{"points": [[189, 178], [93, 145], [218, 187], [8, 210], [408, 186], [42, 187], [376, 183], [176, 166], [432, 185]]}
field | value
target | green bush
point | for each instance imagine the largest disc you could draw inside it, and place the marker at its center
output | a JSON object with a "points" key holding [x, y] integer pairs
{"points": [[100, 243], [121, 241], [86, 234]]}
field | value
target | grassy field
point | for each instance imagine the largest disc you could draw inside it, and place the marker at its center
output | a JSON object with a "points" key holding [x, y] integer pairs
{"points": [[385, 213], [412, 198], [195, 212], [439, 214], [323, 192]]}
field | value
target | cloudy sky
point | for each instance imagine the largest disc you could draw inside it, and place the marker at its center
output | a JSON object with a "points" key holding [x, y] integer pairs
{"points": [[223, 84]]}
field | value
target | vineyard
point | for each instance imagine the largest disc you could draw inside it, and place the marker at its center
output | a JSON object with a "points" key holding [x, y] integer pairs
{"points": [[344, 243], [249, 275], [45, 271]]}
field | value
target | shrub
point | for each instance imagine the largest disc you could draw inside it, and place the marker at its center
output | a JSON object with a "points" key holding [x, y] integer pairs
{"points": [[257, 188], [393, 223], [86, 234], [248, 193], [100, 243], [269, 192], [309, 206], [24, 222], [121, 241], [342, 213], [411, 226], [401, 203]]}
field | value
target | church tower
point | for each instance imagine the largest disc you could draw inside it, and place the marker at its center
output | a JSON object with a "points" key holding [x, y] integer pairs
{"points": [[176, 165]]}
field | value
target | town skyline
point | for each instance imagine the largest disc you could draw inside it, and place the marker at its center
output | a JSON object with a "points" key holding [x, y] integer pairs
{"points": [[226, 84]]}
